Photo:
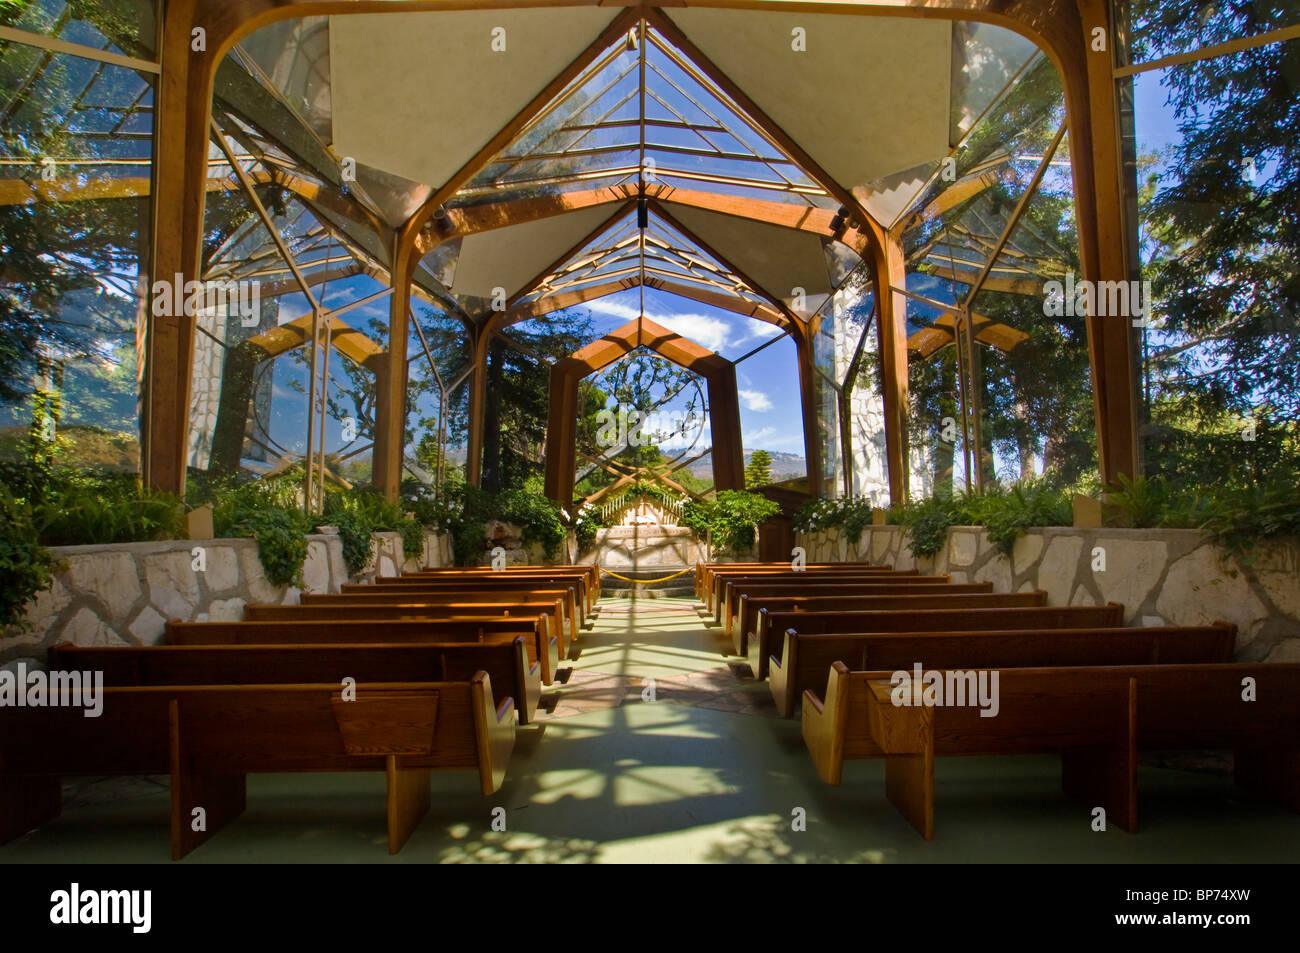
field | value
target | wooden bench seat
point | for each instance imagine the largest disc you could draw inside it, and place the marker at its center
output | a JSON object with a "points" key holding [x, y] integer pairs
{"points": [[713, 584], [416, 606], [542, 647], [804, 661], [767, 640], [1096, 718], [722, 582], [580, 582], [471, 590], [705, 571], [506, 664], [733, 591], [210, 737], [591, 573], [784, 597], [772, 626]]}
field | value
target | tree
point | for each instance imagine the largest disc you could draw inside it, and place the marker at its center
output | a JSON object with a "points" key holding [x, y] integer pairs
{"points": [[759, 471], [1222, 245]]}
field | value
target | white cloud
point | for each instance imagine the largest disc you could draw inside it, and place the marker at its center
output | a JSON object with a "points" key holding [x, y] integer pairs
{"points": [[703, 330], [614, 309], [755, 400], [713, 333], [755, 439]]}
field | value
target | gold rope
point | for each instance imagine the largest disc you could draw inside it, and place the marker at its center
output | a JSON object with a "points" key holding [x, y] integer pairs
{"points": [[643, 582]]}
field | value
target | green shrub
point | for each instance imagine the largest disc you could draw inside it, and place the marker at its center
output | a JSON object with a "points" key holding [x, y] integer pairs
{"points": [[1238, 519], [1007, 514], [354, 533], [108, 508], [927, 522], [26, 567], [732, 518], [281, 543], [538, 517], [852, 514]]}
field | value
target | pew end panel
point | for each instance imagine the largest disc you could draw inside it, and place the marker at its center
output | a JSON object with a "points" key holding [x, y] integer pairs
{"points": [[780, 674], [494, 727], [836, 729], [201, 803]]}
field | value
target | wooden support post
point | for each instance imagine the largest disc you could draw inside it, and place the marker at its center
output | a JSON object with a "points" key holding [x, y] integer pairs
{"points": [[477, 409], [812, 449], [180, 180], [390, 379], [890, 271], [1092, 105], [724, 420]]}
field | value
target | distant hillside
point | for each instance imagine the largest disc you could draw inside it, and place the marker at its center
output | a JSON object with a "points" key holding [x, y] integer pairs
{"points": [[785, 466]]}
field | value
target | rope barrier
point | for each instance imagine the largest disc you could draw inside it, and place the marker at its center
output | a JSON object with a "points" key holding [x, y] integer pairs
{"points": [[646, 582]]}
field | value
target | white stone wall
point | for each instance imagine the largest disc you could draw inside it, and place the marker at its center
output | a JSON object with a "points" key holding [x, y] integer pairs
{"points": [[644, 547], [124, 594], [1163, 577]]}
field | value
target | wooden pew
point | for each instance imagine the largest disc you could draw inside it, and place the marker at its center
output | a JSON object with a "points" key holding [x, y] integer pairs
{"points": [[590, 572], [776, 571], [928, 620], [718, 582], [417, 606], [542, 647], [580, 580], [210, 737], [474, 590], [506, 664], [766, 640], [725, 584], [804, 660], [772, 625], [748, 598], [1097, 718], [704, 571]]}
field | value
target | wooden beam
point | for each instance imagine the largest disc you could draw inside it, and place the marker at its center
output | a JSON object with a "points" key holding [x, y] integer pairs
{"points": [[1092, 108], [812, 450], [180, 169]]}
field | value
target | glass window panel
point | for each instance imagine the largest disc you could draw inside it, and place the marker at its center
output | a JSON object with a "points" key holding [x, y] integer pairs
{"points": [[75, 293], [1216, 145], [119, 26], [1153, 29]]}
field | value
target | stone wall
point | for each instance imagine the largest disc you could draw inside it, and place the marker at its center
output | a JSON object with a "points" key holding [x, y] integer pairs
{"points": [[643, 547], [1162, 577], [124, 594]]}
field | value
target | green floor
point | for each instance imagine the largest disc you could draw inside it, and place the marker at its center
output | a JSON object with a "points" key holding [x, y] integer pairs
{"points": [[705, 772]]}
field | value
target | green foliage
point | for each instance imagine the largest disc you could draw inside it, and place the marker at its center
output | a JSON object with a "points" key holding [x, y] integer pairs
{"points": [[538, 517], [281, 543], [853, 514], [463, 511], [586, 527], [98, 508], [1239, 519], [927, 522], [1007, 514], [732, 518], [1142, 502], [86, 507], [354, 532], [26, 567]]}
